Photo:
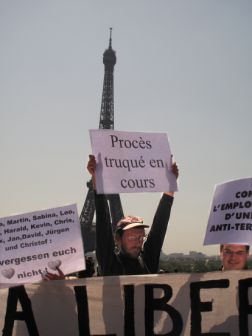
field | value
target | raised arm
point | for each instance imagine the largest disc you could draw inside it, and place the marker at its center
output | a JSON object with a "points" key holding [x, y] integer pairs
{"points": [[104, 236], [156, 236]]}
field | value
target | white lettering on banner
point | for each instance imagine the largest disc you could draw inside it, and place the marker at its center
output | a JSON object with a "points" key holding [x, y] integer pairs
{"points": [[175, 304]]}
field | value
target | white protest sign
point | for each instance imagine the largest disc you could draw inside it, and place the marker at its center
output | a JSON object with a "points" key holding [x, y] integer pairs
{"points": [[40, 241], [132, 162], [230, 219]]}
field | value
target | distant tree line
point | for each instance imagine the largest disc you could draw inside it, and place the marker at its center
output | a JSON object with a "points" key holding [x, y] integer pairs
{"points": [[189, 265]]}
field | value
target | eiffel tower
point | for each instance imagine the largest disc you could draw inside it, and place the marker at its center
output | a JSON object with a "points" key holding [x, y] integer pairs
{"points": [[106, 122]]}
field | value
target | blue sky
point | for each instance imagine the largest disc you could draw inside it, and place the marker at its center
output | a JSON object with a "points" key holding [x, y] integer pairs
{"points": [[183, 67]]}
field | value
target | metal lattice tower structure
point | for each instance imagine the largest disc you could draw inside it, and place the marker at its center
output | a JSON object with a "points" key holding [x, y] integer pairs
{"points": [[106, 122]]}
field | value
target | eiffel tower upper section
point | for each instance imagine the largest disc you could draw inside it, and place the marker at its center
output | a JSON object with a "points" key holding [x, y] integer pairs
{"points": [[107, 105], [106, 122]]}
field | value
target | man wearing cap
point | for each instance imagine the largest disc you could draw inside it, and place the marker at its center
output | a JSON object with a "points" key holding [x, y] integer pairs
{"points": [[128, 251]]}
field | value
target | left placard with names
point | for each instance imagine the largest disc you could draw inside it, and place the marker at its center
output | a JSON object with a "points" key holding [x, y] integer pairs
{"points": [[38, 242]]}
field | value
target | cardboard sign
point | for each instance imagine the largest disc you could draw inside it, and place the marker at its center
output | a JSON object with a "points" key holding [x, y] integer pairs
{"points": [[230, 219], [132, 162], [40, 241], [217, 303]]}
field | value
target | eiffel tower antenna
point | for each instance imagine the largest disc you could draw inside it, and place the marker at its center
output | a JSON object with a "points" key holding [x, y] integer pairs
{"points": [[110, 38], [106, 122]]}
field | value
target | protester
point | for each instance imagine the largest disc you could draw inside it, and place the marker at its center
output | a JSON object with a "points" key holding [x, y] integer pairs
{"points": [[129, 251], [234, 256]]}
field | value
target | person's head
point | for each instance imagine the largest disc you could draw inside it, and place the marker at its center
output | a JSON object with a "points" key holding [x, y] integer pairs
{"points": [[234, 256], [130, 235]]}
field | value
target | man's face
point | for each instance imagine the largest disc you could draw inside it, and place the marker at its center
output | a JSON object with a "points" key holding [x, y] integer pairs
{"points": [[234, 257], [131, 242]]}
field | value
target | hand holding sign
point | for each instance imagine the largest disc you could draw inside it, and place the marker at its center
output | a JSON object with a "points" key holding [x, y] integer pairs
{"points": [[47, 276], [54, 264], [91, 167]]}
